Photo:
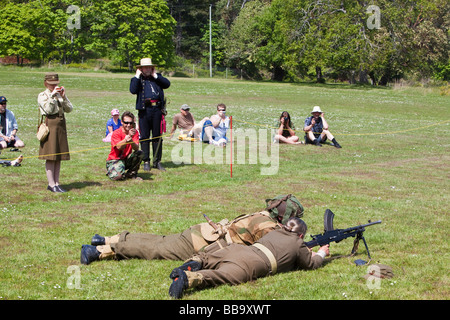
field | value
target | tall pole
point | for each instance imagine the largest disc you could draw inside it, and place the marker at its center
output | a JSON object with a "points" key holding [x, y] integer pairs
{"points": [[210, 42]]}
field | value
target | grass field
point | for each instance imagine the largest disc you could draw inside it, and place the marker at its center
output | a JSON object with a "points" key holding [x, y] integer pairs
{"points": [[394, 167]]}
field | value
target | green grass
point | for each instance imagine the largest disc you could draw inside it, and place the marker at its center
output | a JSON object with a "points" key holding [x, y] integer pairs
{"points": [[385, 171]]}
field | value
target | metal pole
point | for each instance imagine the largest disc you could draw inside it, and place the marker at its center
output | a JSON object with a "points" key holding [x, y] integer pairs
{"points": [[210, 43]]}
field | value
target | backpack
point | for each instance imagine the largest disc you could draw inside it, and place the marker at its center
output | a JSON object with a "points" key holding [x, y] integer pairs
{"points": [[283, 207]]}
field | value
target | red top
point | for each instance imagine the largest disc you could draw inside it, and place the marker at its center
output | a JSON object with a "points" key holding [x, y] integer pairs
{"points": [[117, 136]]}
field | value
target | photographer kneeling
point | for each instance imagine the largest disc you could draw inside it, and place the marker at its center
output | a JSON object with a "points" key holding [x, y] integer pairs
{"points": [[125, 157]]}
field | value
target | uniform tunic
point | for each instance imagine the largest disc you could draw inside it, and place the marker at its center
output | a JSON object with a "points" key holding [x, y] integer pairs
{"points": [[237, 264], [56, 146]]}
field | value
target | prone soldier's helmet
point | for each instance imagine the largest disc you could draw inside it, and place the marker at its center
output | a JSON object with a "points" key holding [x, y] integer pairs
{"points": [[283, 207]]}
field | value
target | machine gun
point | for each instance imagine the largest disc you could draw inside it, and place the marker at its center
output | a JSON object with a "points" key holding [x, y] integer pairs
{"points": [[336, 235]]}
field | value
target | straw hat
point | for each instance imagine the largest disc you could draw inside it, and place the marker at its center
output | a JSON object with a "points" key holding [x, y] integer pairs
{"points": [[146, 62]]}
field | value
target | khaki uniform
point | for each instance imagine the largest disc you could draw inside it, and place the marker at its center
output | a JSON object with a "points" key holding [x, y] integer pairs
{"points": [[244, 230], [56, 146], [278, 251]]}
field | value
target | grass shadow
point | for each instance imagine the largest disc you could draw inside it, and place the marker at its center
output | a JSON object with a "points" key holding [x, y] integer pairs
{"points": [[81, 185]]}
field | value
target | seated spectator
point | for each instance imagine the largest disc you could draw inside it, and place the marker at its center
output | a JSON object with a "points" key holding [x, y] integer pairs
{"points": [[316, 129], [183, 120], [112, 124], [8, 128], [286, 130], [213, 130]]}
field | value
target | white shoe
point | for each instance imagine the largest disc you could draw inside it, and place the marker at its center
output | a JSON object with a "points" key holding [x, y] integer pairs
{"points": [[222, 142], [17, 162]]}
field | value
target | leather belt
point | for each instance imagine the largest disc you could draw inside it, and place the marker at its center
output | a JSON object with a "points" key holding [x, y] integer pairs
{"points": [[151, 103], [269, 255]]}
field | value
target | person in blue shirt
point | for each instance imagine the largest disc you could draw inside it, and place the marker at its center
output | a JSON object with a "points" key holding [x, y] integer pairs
{"points": [[316, 129], [9, 127], [112, 124]]}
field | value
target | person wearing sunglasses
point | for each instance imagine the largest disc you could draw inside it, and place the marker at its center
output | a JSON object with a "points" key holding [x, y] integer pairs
{"points": [[8, 128], [125, 157], [213, 130]]}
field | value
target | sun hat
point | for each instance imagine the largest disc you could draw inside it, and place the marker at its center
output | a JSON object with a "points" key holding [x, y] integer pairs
{"points": [[316, 109], [115, 112], [146, 62]]}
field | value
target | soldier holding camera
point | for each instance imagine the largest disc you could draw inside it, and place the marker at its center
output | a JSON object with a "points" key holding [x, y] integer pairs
{"points": [[148, 87], [54, 104]]}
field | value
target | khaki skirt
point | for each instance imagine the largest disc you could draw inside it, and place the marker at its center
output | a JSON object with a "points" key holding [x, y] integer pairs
{"points": [[55, 147]]}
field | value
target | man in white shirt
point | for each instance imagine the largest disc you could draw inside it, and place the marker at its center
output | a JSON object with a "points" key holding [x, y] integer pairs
{"points": [[213, 130]]}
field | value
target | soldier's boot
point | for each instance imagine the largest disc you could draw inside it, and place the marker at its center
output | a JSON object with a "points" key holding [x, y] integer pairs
{"points": [[179, 283], [89, 254], [93, 253], [191, 265], [184, 280], [98, 240]]}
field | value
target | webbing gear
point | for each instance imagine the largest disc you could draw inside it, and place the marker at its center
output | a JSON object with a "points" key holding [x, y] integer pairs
{"points": [[269, 255]]}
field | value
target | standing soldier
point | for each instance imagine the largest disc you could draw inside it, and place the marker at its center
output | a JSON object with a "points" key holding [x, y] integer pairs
{"points": [[148, 87]]}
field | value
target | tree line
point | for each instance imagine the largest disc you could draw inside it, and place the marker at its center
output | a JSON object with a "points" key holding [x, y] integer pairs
{"points": [[355, 40]]}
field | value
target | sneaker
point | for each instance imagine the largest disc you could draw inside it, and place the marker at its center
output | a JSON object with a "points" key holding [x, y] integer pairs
{"points": [[222, 142], [147, 166], [17, 162]]}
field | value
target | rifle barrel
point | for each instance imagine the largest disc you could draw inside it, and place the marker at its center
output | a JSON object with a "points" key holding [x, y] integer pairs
{"points": [[362, 226]]}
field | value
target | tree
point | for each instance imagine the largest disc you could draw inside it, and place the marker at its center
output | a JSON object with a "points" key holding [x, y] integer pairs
{"points": [[130, 30], [244, 40]]}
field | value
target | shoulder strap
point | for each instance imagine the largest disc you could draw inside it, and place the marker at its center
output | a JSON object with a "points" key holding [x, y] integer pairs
{"points": [[269, 255]]}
